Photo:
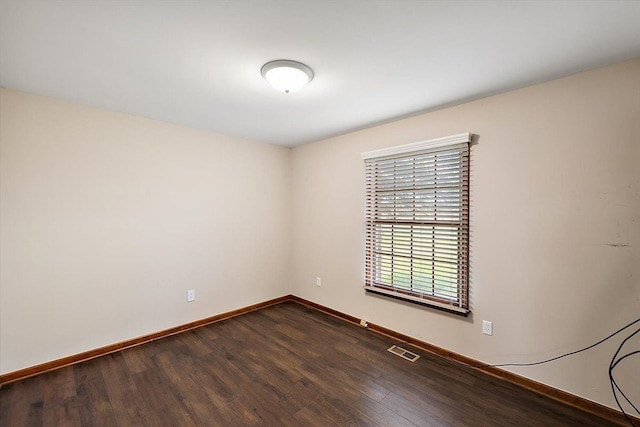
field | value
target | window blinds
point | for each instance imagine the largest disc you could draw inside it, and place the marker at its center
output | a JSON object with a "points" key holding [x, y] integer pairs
{"points": [[417, 222]]}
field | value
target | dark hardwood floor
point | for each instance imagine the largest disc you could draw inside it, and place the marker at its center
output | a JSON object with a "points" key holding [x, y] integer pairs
{"points": [[285, 365]]}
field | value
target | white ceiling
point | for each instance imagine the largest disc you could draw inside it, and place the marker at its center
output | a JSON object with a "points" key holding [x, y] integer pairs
{"points": [[197, 63]]}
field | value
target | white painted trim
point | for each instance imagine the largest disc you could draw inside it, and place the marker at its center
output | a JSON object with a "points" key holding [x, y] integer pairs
{"points": [[418, 146]]}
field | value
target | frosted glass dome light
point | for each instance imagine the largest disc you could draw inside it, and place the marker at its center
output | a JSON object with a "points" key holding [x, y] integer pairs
{"points": [[287, 76]]}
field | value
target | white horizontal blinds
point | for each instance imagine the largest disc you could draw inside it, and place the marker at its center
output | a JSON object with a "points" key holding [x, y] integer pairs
{"points": [[417, 219]]}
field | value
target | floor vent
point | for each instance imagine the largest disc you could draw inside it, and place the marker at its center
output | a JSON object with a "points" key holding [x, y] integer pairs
{"points": [[405, 354]]}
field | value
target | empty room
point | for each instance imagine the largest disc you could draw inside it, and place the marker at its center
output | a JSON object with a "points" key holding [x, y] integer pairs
{"points": [[319, 213]]}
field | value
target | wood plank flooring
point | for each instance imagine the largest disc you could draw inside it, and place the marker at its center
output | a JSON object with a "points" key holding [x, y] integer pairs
{"points": [[285, 365]]}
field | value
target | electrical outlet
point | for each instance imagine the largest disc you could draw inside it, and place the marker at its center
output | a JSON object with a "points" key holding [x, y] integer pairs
{"points": [[191, 295], [318, 281], [364, 323], [487, 327]]}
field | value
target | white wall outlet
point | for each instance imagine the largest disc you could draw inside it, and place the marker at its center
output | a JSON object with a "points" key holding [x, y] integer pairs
{"points": [[364, 323], [191, 295], [487, 327], [318, 281]]}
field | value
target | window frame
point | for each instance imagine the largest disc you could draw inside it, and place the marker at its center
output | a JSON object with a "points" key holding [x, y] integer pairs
{"points": [[387, 207]]}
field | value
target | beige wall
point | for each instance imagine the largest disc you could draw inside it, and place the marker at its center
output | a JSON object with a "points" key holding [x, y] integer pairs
{"points": [[555, 187], [107, 220]]}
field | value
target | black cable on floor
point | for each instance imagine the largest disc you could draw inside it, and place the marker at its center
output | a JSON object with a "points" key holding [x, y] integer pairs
{"points": [[612, 365], [614, 385]]}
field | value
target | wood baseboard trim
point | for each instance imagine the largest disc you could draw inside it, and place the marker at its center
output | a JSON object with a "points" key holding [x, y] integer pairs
{"points": [[540, 388], [543, 389], [112, 348]]}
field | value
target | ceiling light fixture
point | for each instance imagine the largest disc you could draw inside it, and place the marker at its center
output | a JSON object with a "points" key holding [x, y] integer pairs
{"points": [[287, 76]]}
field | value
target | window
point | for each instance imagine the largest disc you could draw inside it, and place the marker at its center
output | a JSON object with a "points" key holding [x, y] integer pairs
{"points": [[417, 222]]}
